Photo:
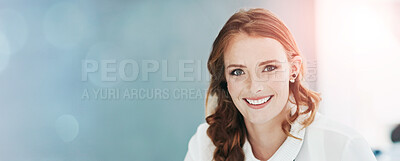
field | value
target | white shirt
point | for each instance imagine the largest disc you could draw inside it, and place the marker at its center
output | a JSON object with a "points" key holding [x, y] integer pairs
{"points": [[323, 140]]}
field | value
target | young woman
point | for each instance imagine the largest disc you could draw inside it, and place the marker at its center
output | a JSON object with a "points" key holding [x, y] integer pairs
{"points": [[262, 110]]}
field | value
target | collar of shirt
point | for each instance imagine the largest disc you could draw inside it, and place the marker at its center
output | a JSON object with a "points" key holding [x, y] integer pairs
{"points": [[288, 150]]}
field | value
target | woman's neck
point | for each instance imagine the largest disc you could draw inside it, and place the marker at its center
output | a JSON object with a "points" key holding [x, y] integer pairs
{"points": [[265, 139]]}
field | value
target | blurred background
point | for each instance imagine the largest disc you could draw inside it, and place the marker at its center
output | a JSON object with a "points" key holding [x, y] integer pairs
{"points": [[102, 80]]}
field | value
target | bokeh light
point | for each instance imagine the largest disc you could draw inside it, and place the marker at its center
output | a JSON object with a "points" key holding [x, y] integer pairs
{"points": [[67, 127], [4, 52], [66, 25], [13, 25]]}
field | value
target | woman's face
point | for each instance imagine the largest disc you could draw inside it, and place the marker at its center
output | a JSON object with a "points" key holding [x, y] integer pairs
{"points": [[257, 73]]}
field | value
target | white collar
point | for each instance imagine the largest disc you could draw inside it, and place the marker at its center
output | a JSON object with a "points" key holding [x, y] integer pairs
{"points": [[290, 148]]}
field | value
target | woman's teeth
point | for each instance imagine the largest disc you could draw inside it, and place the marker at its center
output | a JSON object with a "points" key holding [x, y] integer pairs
{"points": [[257, 102]]}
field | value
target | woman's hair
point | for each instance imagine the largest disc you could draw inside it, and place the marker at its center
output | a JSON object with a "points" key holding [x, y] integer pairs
{"points": [[227, 129]]}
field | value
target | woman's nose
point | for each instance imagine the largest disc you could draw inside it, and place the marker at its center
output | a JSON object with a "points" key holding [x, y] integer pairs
{"points": [[255, 84]]}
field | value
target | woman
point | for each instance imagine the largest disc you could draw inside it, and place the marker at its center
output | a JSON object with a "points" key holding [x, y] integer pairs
{"points": [[262, 110]]}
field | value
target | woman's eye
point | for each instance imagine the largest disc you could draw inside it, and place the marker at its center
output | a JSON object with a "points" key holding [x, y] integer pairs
{"points": [[237, 72], [269, 68]]}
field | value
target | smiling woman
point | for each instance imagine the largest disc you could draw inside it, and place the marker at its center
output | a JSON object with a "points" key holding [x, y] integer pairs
{"points": [[261, 79], [263, 111]]}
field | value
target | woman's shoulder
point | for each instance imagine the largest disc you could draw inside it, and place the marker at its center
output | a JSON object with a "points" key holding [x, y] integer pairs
{"points": [[200, 145], [335, 140]]}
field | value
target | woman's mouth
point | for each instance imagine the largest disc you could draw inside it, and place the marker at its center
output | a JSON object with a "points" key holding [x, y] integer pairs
{"points": [[258, 102]]}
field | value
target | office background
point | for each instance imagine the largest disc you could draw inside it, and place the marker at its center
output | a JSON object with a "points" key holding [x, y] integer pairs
{"points": [[63, 96]]}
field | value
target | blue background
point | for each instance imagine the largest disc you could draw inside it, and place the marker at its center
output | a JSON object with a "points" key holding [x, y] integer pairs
{"points": [[43, 44]]}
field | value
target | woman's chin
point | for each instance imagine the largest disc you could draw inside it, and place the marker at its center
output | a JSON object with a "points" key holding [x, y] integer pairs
{"points": [[259, 119]]}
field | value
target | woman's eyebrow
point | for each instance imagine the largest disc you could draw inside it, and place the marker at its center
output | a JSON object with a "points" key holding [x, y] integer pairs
{"points": [[268, 62], [261, 64], [236, 65]]}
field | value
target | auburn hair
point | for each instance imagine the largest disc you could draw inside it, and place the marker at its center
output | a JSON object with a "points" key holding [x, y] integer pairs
{"points": [[226, 124]]}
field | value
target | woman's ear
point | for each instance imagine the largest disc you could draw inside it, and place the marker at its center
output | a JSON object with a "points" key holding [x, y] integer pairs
{"points": [[296, 65]]}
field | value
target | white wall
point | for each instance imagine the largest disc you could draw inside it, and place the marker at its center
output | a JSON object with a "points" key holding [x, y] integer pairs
{"points": [[358, 52]]}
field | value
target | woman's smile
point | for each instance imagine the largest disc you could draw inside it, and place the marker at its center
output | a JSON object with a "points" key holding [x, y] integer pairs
{"points": [[258, 102]]}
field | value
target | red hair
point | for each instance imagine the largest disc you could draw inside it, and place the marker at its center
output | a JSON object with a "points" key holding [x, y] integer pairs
{"points": [[227, 129]]}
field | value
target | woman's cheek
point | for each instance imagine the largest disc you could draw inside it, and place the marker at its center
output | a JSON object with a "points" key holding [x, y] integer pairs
{"points": [[280, 75], [234, 88], [231, 90], [280, 83]]}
